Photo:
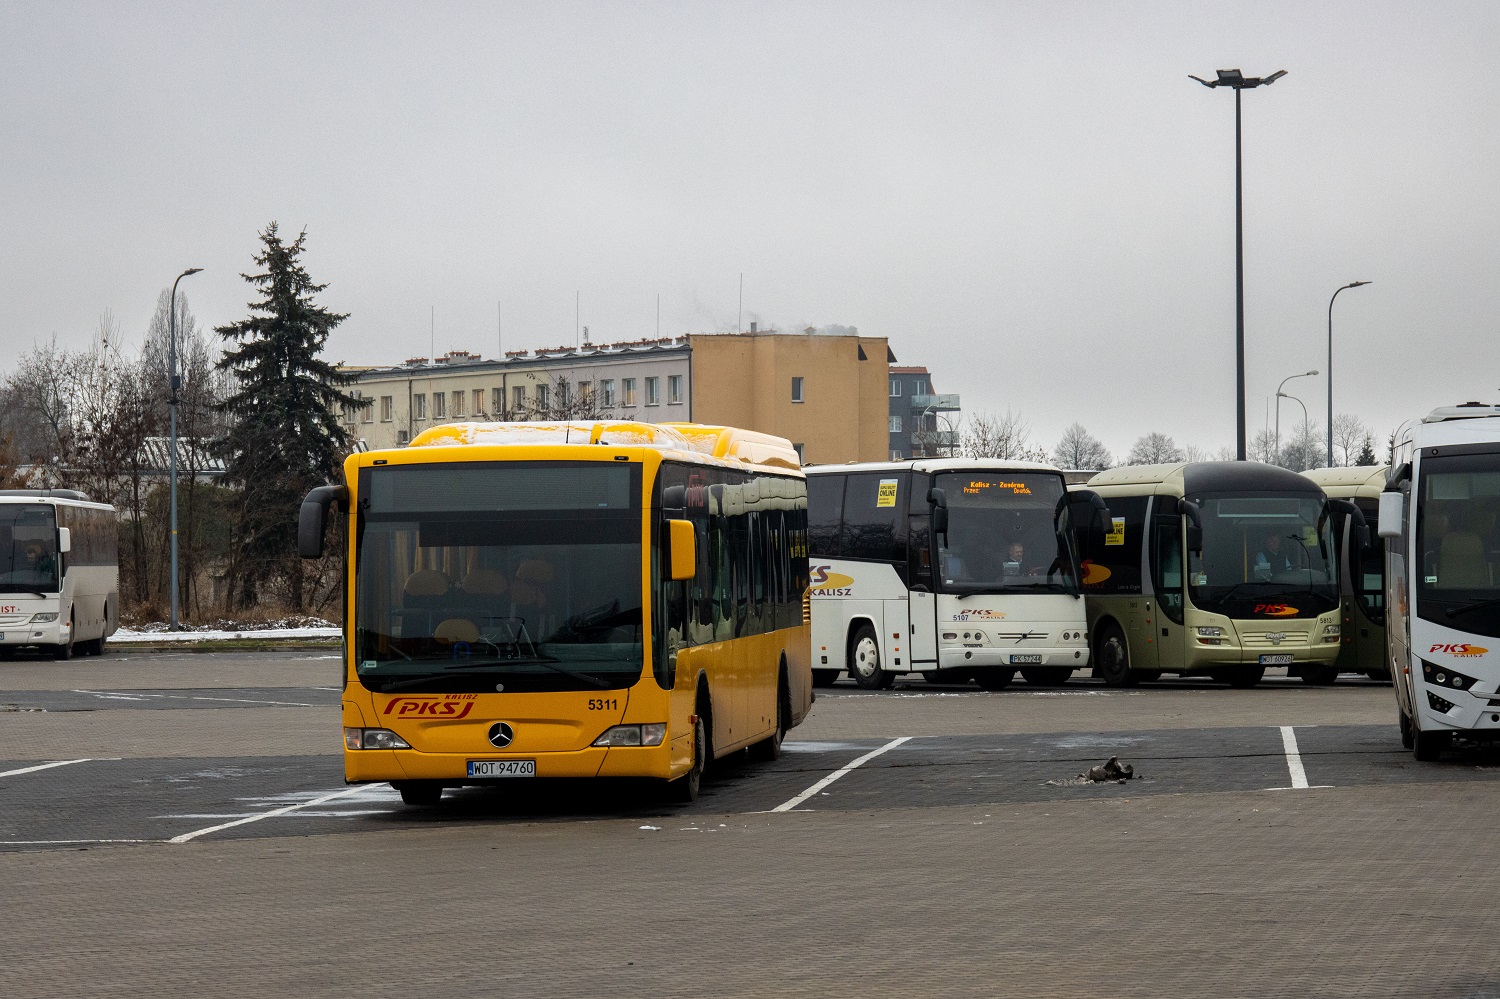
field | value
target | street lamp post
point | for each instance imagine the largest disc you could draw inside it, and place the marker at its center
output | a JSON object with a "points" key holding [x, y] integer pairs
{"points": [[1352, 284], [1280, 395], [174, 383], [1233, 78]]}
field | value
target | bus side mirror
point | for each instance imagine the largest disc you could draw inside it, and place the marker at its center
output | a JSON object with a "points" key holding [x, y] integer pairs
{"points": [[939, 502], [1392, 514], [312, 519], [1361, 533], [1190, 510], [64, 539], [682, 550]]}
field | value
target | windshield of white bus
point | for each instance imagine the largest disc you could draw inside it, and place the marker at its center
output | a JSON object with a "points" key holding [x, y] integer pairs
{"points": [[28, 548], [1458, 542], [1268, 555], [1005, 533], [515, 576]]}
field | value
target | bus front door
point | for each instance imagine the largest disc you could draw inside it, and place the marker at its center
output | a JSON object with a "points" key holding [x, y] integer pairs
{"points": [[922, 608]]}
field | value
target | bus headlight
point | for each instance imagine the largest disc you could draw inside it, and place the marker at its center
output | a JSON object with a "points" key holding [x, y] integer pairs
{"points": [[373, 738], [1331, 630], [633, 735], [1210, 635], [46, 617]]}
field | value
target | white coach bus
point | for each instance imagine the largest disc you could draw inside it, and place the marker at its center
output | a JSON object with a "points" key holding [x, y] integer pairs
{"points": [[957, 569], [59, 572], [1440, 516]]}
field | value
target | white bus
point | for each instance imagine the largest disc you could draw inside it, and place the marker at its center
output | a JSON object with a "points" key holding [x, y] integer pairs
{"points": [[59, 572], [1440, 516], [957, 569]]}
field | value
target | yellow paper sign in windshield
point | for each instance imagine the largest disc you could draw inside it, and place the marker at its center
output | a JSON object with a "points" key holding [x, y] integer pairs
{"points": [[1309, 535], [887, 494], [1116, 535]]}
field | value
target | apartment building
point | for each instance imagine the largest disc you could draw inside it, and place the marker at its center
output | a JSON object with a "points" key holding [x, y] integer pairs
{"points": [[825, 393], [919, 426]]}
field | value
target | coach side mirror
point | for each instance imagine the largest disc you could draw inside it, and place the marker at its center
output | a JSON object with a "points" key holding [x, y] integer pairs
{"points": [[312, 519], [1194, 516], [1392, 514], [682, 550], [1361, 533], [64, 539], [939, 502]]}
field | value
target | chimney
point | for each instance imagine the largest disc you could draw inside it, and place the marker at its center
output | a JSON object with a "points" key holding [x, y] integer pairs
{"points": [[752, 326]]}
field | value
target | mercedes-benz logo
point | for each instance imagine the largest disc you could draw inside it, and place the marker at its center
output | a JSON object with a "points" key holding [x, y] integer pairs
{"points": [[501, 735]]}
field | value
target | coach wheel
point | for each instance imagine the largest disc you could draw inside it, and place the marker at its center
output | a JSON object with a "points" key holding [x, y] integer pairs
{"points": [[64, 651], [1047, 676], [995, 679], [1405, 723], [687, 787], [824, 677], [419, 793], [1320, 676], [1112, 659], [864, 661], [1428, 746]]}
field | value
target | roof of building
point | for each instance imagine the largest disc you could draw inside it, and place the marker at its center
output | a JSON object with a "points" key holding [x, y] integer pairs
{"points": [[910, 371]]}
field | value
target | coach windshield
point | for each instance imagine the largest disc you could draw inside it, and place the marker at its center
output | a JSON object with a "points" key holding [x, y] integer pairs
{"points": [[1007, 531], [28, 548]]}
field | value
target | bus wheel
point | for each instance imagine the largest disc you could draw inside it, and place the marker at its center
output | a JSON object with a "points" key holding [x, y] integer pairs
{"points": [[1428, 746], [1405, 724], [64, 651], [419, 793], [864, 661], [825, 677], [1320, 676], [1047, 676], [687, 787], [1112, 658], [995, 679]]}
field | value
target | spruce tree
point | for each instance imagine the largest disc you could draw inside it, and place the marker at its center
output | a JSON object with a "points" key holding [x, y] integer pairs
{"points": [[284, 436], [1366, 453]]}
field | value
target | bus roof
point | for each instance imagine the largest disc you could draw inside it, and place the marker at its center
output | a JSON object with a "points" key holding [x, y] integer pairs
{"points": [[729, 446], [1351, 480], [67, 497], [1192, 477], [934, 465]]}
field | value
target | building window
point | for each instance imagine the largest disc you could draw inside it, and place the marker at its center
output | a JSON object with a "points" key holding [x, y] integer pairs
{"points": [[653, 391], [895, 424], [401, 437], [386, 407], [562, 394], [627, 389], [607, 392], [439, 405], [586, 393], [497, 402], [895, 387], [797, 390], [458, 403], [800, 455], [919, 387], [674, 390], [367, 410], [479, 402], [895, 455], [419, 406], [518, 399], [541, 399]]}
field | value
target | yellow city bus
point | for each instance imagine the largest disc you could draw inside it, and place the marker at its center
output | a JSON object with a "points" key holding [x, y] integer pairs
{"points": [[1363, 648], [569, 600]]}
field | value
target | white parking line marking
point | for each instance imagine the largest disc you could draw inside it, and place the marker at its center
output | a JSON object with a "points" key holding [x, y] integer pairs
{"points": [[185, 837], [787, 806], [1293, 757], [43, 766], [110, 695], [69, 842]]}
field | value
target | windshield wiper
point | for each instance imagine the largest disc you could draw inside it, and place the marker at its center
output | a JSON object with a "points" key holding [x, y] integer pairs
{"points": [[18, 588], [1476, 605], [468, 664]]}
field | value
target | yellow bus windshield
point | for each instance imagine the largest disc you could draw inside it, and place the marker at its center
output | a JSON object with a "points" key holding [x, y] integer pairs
{"points": [[499, 576]]}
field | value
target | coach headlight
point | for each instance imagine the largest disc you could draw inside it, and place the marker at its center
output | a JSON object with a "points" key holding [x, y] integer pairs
{"points": [[46, 617], [633, 735], [373, 738]]}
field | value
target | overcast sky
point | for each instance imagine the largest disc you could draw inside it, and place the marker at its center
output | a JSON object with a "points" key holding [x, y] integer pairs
{"points": [[1032, 199]]}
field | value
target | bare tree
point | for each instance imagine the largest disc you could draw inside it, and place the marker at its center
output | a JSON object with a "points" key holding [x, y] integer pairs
{"points": [[1303, 448], [1349, 433], [1152, 449], [1263, 448], [39, 397], [1008, 436], [1080, 449]]}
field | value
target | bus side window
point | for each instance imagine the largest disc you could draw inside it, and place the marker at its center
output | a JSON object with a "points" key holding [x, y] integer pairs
{"points": [[825, 510], [874, 528], [1122, 560]]}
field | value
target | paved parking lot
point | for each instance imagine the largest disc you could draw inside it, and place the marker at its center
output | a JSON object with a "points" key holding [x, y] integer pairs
{"points": [[927, 841]]}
